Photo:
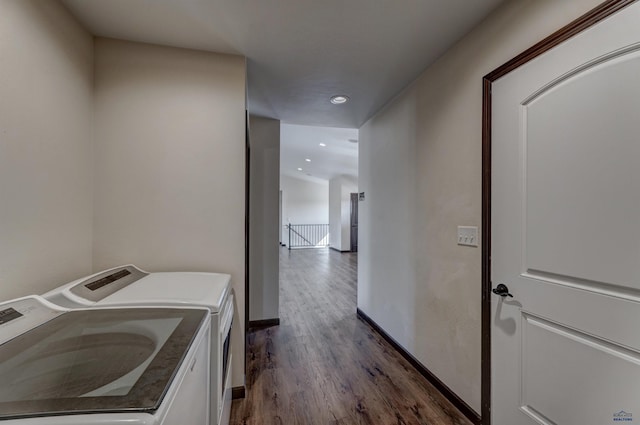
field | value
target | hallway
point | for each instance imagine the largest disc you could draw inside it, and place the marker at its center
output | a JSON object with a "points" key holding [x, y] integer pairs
{"points": [[322, 365]]}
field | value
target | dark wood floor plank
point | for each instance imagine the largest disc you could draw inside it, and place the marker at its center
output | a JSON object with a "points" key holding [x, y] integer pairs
{"points": [[323, 366]]}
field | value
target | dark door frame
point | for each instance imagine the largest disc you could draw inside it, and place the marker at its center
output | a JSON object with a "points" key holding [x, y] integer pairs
{"points": [[353, 200], [584, 22], [247, 175]]}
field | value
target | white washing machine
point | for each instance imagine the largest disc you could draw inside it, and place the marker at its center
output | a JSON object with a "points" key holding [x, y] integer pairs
{"points": [[129, 285], [107, 366]]}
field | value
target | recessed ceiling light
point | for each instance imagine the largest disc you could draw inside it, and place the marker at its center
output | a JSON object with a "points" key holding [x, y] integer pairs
{"points": [[299, 169], [307, 159], [323, 144], [339, 99]]}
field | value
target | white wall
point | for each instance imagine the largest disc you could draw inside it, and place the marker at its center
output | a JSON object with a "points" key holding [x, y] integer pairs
{"points": [[420, 167], [340, 189], [46, 74], [264, 191], [170, 164], [304, 201], [335, 213]]}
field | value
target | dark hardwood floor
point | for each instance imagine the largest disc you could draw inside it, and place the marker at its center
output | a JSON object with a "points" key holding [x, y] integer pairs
{"points": [[324, 366]]}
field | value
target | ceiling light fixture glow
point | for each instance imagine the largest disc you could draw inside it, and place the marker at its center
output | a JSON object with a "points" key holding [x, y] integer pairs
{"points": [[323, 145], [307, 159], [299, 169], [339, 99]]}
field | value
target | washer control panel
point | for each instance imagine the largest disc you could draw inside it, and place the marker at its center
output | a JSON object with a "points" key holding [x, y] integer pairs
{"points": [[23, 314]]}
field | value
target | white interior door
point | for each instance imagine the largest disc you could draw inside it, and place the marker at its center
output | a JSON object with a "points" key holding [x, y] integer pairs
{"points": [[566, 232]]}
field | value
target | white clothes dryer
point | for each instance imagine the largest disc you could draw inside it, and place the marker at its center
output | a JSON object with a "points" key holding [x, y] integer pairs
{"points": [[129, 285], [107, 366]]}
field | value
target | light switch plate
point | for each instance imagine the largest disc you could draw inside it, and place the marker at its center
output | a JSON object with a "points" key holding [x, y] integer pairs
{"points": [[468, 235]]}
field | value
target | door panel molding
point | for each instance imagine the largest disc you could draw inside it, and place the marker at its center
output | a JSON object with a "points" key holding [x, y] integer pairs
{"points": [[600, 288], [593, 341], [584, 22], [544, 344], [579, 70], [564, 117]]}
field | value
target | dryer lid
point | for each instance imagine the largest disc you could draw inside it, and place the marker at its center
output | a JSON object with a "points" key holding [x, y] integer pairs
{"points": [[128, 285], [207, 290], [95, 361]]}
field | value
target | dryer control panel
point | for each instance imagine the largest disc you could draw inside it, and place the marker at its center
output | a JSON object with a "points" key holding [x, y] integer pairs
{"points": [[98, 287]]}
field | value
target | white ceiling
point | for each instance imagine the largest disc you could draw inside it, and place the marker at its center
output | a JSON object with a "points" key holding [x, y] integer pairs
{"points": [[300, 142], [300, 52]]}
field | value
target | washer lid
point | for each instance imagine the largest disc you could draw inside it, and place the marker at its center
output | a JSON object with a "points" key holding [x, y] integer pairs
{"points": [[95, 361]]}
